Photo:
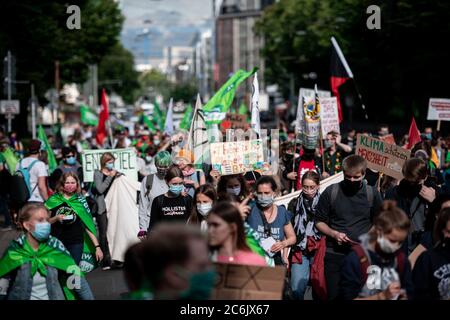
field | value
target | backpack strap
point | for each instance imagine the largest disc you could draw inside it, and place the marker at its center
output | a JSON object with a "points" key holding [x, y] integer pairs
{"points": [[363, 262], [334, 192], [370, 194], [148, 184]]}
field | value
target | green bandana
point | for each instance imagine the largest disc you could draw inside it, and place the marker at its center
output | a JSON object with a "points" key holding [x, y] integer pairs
{"points": [[79, 204], [52, 253]]}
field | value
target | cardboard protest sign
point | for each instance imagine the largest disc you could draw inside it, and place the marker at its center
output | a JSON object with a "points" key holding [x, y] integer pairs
{"points": [[234, 121], [329, 116], [388, 138], [382, 156], [125, 162], [309, 96], [241, 282], [284, 200], [237, 157], [439, 109]]}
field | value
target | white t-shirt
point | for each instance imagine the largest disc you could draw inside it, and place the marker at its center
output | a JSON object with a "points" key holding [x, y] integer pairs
{"points": [[39, 288], [39, 169]]}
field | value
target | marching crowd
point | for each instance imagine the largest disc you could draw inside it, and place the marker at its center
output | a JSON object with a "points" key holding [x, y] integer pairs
{"points": [[367, 237]]}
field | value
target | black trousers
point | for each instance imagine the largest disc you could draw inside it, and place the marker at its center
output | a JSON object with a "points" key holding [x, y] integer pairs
{"points": [[102, 222], [332, 264]]}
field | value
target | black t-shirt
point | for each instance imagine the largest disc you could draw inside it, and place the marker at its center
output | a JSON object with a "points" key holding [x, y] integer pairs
{"points": [[431, 274], [69, 231], [350, 214], [170, 209]]}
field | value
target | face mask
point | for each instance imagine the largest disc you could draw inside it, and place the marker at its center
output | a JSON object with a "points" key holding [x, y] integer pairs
{"points": [[352, 186], [412, 189], [71, 161], [204, 208], [148, 158], [156, 142], [236, 191], [176, 188], [161, 172], [109, 166], [265, 201], [387, 246], [309, 193], [327, 144], [428, 136], [200, 287], [41, 231], [70, 189]]}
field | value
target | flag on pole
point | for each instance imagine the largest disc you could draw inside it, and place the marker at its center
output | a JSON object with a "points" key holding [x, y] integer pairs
{"points": [[51, 160], [187, 117], [158, 116], [148, 123], [104, 116], [216, 108], [340, 72], [168, 126], [200, 142], [255, 123], [414, 135], [11, 159], [88, 116]]}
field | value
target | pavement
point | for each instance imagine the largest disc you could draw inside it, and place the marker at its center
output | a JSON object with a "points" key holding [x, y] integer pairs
{"points": [[105, 285]]}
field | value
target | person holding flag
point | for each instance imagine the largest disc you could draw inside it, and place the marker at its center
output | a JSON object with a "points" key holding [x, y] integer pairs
{"points": [[72, 222], [37, 266]]}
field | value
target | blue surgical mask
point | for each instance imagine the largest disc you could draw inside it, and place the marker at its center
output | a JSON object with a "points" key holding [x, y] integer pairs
{"points": [[148, 158], [201, 285], [264, 201], [109, 166], [71, 161], [176, 188], [429, 136], [41, 231], [236, 191], [156, 142]]}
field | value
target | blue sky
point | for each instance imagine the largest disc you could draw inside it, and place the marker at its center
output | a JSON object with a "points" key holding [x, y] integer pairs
{"points": [[167, 22]]}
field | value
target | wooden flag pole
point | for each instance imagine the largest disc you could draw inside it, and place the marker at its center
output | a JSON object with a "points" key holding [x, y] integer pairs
{"points": [[438, 128]]}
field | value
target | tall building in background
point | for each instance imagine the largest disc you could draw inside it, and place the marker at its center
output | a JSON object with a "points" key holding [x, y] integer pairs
{"points": [[203, 65], [237, 46]]}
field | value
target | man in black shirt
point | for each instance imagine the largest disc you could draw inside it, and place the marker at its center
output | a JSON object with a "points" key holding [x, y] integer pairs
{"points": [[345, 211]]}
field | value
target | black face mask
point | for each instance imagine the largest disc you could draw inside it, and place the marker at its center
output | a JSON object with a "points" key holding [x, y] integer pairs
{"points": [[352, 187], [409, 188], [161, 173]]}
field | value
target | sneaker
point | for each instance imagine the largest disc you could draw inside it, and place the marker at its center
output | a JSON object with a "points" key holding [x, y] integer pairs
{"points": [[106, 268]]}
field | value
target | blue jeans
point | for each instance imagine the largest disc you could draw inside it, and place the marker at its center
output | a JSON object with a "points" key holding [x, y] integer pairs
{"points": [[76, 251], [300, 277]]}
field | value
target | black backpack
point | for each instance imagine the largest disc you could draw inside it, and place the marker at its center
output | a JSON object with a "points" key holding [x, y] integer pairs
{"points": [[20, 185]]}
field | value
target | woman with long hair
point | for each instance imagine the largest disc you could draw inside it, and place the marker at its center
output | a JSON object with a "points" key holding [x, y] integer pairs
{"points": [[204, 199]]}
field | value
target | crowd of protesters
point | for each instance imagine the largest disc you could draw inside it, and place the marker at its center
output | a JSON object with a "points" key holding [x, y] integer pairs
{"points": [[367, 237]]}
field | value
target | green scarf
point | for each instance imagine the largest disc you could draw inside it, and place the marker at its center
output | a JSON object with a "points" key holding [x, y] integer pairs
{"points": [[51, 253], [79, 204], [252, 240]]}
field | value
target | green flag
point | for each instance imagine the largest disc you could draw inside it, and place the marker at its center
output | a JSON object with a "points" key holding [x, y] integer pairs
{"points": [[217, 107], [158, 115], [187, 118], [52, 164], [148, 123], [88, 116], [11, 159]]}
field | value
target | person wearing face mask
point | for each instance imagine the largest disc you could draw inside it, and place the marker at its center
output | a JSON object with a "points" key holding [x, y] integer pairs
{"points": [[431, 274], [306, 162], [193, 178], [345, 211], [377, 268], [335, 152], [414, 195], [302, 254], [103, 180], [174, 205], [71, 220], [204, 199], [176, 263], [272, 222], [235, 185], [146, 165], [152, 186], [69, 164], [36, 265]]}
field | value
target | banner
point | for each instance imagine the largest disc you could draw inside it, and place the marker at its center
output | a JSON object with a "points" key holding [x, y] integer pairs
{"points": [[329, 116], [242, 282], [125, 162], [439, 109], [388, 138], [325, 183], [309, 99], [234, 121], [237, 157], [382, 156]]}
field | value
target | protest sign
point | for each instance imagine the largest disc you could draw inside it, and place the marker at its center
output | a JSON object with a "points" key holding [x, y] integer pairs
{"points": [[388, 138], [242, 282], [234, 121], [237, 157], [382, 156], [329, 116], [309, 99], [439, 109], [125, 162], [284, 200]]}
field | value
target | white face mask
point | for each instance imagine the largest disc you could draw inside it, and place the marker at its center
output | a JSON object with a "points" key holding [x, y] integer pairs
{"points": [[204, 208], [235, 191], [387, 246]]}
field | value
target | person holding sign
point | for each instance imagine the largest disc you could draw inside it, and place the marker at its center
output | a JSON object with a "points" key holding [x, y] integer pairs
{"points": [[334, 153], [193, 178], [235, 185], [227, 237], [37, 266], [272, 222], [71, 219]]}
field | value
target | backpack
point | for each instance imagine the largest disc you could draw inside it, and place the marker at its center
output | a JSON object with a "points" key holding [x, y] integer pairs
{"points": [[20, 184], [364, 262]]}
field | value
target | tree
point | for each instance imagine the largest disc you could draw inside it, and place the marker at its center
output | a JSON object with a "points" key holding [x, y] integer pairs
{"points": [[154, 82]]}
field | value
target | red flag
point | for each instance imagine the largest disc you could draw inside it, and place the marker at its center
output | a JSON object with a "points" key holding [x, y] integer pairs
{"points": [[340, 72], [104, 116], [414, 135]]}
